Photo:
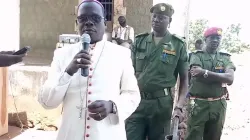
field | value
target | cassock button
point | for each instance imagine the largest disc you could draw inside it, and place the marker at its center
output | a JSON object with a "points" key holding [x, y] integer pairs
{"points": [[89, 101], [89, 92], [90, 84], [91, 69], [87, 135], [90, 76], [88, 127], [88, 118]]}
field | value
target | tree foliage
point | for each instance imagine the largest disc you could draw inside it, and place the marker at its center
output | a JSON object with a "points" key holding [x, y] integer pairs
{"points": [[230, 39], [196, 30]]}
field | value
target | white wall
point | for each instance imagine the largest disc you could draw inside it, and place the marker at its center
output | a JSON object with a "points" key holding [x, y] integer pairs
{"points": [[9, 25], [178, 24]]}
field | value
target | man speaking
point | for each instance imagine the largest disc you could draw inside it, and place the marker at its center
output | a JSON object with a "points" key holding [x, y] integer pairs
{"points": [[94, 107]]}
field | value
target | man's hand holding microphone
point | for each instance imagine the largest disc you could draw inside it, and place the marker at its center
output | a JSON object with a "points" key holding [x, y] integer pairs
{"points": [[82, 59]]}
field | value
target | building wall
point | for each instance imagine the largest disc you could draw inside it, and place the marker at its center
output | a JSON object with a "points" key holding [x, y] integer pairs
{"points": [[178, 24], [41, 23], [138, 14]]}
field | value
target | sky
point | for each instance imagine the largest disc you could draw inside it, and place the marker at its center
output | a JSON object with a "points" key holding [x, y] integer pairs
{"points": [[220, 13]]}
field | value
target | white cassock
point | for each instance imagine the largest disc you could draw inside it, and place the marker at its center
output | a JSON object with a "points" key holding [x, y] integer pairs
{"points": [[111, 78]]}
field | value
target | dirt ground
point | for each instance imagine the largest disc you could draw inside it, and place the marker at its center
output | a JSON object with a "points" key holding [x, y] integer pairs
{"points": [[15, 134], [238, 113]]}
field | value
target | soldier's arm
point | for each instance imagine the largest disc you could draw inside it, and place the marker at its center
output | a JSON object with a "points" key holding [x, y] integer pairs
{"points": [[195, 60], [227, 77], [182, 68], [230, 68]]}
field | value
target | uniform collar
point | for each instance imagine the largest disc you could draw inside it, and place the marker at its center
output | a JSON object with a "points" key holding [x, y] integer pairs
{"points": [[165, 37]]}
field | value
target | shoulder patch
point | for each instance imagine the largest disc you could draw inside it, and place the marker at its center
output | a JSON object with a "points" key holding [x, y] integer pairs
{"points": [[142, 34], [178, 38]]}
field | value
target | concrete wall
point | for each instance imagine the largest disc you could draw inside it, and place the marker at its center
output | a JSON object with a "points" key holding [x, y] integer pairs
{"points": [[41, 23], [25, 83], [138, 14]]}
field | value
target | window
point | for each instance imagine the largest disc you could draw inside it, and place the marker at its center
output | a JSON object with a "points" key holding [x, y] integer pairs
{"points": [[108, 7]]}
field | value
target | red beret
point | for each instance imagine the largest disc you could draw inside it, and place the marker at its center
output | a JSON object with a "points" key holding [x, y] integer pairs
{"points": [[213, 31]]}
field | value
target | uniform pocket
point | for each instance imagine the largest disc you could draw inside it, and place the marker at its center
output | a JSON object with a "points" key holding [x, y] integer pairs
{"points": [[167, 64], [223, 103], [166, 106], [193, 108], [140, 62], [219, 67], [167, 58]]}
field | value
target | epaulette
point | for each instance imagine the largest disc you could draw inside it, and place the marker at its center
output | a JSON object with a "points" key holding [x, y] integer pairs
{"points": [[225, 53], [142, 34], [179, 38], [198, 51]]}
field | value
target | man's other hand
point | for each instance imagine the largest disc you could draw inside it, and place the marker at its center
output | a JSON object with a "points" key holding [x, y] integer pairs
{"points": [[100, 109]]}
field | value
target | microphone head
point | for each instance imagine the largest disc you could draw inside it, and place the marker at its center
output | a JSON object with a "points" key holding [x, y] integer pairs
{"points": [[85, 38]]}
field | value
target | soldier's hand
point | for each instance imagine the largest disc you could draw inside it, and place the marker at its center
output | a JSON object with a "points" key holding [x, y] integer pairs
{"points": [[197, 71], [179, 114], [7, 58], [81, 60]]}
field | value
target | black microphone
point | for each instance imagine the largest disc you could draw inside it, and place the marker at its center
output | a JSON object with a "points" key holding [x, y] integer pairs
{"points": [[85, 40]]}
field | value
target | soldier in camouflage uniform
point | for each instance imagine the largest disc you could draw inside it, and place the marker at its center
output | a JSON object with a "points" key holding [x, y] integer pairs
{"points": [[210, 71], [158, 58]]}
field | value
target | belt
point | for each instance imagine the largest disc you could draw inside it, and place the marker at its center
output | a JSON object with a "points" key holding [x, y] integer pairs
{"points": [[208, 99], [157, 94]]}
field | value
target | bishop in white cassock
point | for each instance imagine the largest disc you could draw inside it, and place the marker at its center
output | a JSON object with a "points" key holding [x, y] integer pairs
{"points": [[94, 107]]}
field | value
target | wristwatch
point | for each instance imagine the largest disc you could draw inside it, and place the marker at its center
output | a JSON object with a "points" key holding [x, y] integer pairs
{"points": [[205, 74]]}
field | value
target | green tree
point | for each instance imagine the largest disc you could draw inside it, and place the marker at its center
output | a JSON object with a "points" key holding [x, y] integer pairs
{"points": [[230, 39], [196, 30]]}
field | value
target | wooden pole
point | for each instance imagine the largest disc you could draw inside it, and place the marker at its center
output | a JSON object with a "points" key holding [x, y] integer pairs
{"points": [[4, 88], [187, 18]]}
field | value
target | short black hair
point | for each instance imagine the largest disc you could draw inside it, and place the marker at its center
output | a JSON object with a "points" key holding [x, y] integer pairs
{"points": [[103, 10], [199, 41]]}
